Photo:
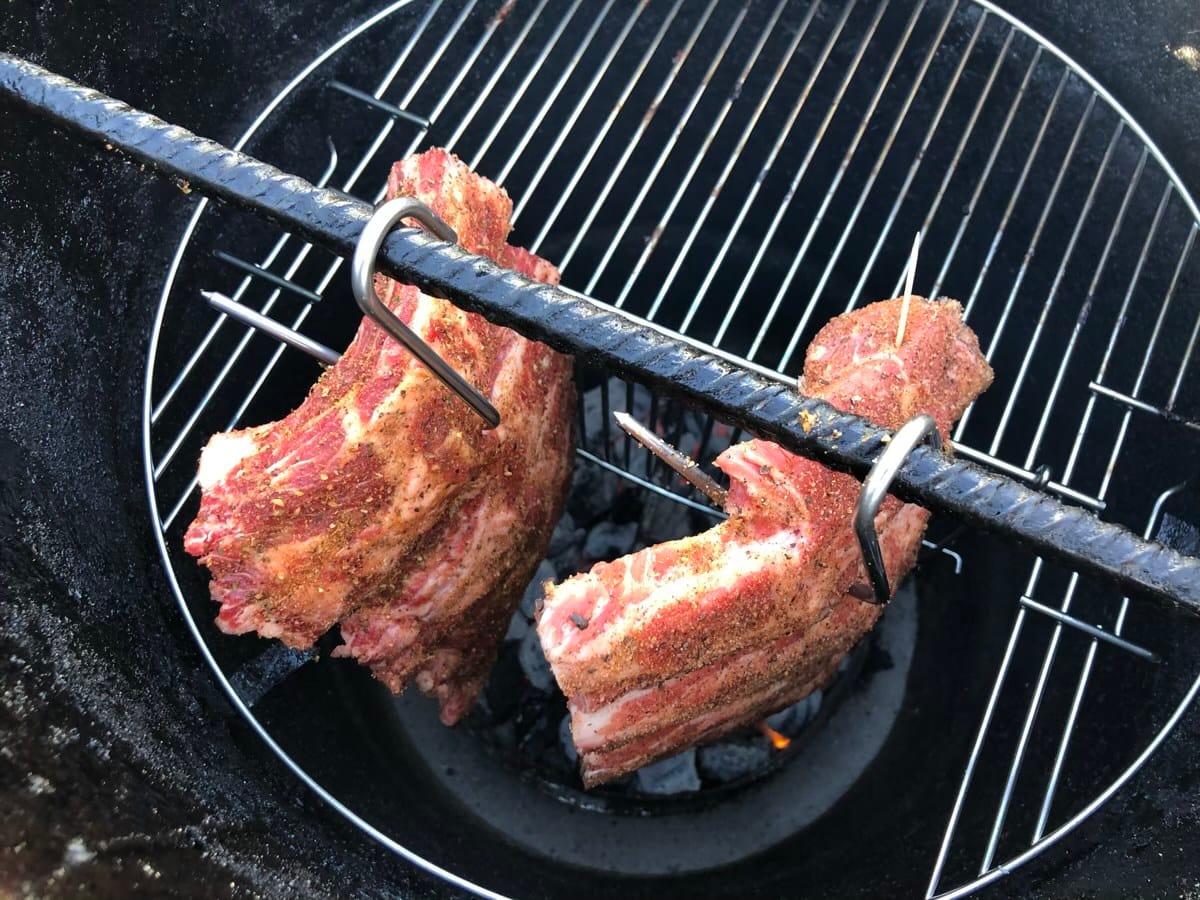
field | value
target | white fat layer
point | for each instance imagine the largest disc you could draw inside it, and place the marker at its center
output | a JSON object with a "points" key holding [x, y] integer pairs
{"points": [[678, 589], [587, 728], [223, 455]]}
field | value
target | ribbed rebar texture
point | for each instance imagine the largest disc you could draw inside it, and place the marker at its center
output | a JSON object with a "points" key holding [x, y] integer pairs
{"points": [[625, 347]]}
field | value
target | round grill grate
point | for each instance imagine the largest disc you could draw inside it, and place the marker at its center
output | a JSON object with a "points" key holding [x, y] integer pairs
{"points": [[739, 173]]}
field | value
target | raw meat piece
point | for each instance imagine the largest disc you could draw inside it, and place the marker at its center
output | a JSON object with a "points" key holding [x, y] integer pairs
{"points": [[752, 683], [382, 502], [689, 639]]}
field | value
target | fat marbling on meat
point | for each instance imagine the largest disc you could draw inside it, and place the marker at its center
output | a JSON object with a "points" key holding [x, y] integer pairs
{"points": [[382, 502], [687, 640]]}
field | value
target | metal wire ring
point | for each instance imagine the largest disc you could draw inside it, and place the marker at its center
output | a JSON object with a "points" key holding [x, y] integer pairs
{"points": [[875, 488], [362, 283]]}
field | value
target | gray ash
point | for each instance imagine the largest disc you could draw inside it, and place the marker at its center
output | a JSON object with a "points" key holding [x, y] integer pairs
{"points": [[673, 775], [522, 716], [731, 760]]}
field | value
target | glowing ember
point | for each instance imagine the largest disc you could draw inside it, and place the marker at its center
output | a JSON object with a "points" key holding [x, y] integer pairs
{"points": [[777, 740]]}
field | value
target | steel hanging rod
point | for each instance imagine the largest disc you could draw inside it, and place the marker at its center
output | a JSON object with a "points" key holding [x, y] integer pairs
{"points": [[598, 334]]}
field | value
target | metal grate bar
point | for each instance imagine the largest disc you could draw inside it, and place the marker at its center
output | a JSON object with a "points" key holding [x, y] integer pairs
{"points": [[1142, 405], [1002, 228], [284, 239], [186, 369], [984, 177], [169, 519], [998, 684], [336, 264], [1068, 351], [1098, 633], [1085, 672], [976, 748], [1018, 190], [1134, 279], [635, 76], [835, 184], [207, 398], [1152, 345], [655, 106], [1090, 294], [269, 326], [1033, 477], [202, 348], [222, 373], [699, 157], [1085, 422], [419, 82], [386, 129], [1009, 305], [236, 418], [503, 65], [817, 219], [153, 414], [565, 75], [732, 158], [809, 155], [951, 170], [684, 117], [1052, 647], [1068, 729], [989, 711], [884, 152], [267, 275], [1035, 706], [1081, 688], [373, 101], [1187, 357], [531, 72], [804, 94], [919, 157], [1031, 250]]}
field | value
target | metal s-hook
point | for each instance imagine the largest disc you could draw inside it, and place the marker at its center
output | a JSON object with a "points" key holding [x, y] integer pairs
{"points": [[875, 488], [362, 282]]}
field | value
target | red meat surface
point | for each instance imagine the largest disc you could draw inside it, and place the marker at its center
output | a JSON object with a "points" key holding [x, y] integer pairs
{"points": [[382, 502], [689, 639]]}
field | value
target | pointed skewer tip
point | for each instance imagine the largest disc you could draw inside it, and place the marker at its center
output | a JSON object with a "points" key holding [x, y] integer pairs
{"points": [[908, 286], [682, 464]]}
